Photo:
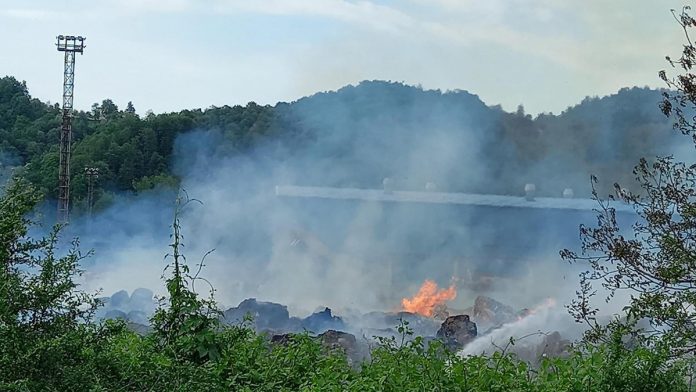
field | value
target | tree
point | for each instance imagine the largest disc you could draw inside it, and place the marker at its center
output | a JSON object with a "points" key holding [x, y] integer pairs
{"points": [[108, 108], [130, 109], [656, 259], [43, 313], [520, 110]]}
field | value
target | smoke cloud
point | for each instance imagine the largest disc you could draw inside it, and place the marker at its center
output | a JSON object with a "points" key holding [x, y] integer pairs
{"points": [[350, 255]]}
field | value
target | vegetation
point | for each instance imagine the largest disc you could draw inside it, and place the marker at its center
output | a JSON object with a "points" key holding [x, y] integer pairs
{"points": [[135, 153], [132, 153], [654, 261], [49, 343]]}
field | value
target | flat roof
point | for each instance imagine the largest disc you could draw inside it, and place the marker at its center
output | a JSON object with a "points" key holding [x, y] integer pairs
{"points": [[474, 199]]}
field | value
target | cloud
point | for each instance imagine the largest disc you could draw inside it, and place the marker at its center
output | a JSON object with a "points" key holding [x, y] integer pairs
{"points": [[154, 6], [365, 13], [30, 14]]}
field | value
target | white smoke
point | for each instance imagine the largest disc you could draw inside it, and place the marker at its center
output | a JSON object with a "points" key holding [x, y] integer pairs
{"points": [[307, 253]]}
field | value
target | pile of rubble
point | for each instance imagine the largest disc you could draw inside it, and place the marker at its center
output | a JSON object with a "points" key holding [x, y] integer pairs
{"points": [[456, 329], [273, 318]]}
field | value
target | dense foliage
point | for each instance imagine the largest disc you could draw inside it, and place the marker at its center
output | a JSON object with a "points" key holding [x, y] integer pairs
{"points": [[132, 153], [361, 133], [49, 343]]}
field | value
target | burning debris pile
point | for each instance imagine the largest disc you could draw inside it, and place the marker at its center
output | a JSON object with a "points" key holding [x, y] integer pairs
{"points": [[426, 313], [458, 331], [498, 321]]}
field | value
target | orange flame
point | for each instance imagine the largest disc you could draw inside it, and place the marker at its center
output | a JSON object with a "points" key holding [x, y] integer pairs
{"points": [[427, 298]]}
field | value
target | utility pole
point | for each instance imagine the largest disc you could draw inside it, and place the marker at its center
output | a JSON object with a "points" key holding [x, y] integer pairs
{"points": [[92, 174], [70, 45]]}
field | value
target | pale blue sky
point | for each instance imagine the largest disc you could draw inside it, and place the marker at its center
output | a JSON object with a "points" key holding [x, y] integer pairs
{"points": [[169, 55]]}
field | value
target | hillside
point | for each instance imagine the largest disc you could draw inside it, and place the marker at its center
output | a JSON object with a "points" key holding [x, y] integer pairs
{"points": [[355, 136]]}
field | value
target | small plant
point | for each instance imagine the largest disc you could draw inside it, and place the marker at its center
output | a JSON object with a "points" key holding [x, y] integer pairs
{"points": [[187, 326]]}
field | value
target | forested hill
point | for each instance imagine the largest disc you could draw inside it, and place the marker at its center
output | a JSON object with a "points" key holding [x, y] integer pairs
{"points": [[355, 136]]}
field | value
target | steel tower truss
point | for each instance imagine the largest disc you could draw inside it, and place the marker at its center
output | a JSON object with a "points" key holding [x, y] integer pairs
{"points": [[70, 45]]}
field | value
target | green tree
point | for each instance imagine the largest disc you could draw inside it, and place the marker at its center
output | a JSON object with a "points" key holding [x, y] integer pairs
{"points": [[656, 259], [108, 108], [43, 314], [130, 109]]}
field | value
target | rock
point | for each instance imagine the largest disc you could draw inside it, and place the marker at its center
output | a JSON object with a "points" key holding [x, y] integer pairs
{"points": [[457, 331], [265, 315], [143, 300], [441, 312], [119, 299], [490, 311], [553, 346], [281, 339], [338, 340], [322, 321], [335, 339], [294, 324]]}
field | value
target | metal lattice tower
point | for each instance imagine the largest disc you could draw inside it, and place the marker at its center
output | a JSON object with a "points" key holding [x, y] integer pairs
{"points": [[70, 45]]}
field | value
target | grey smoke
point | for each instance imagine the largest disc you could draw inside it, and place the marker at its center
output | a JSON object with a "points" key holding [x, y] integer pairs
{"points": [[348, 255]]}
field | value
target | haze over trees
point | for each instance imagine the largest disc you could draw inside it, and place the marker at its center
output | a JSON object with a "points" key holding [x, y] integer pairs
{"points": [[599, 135]]}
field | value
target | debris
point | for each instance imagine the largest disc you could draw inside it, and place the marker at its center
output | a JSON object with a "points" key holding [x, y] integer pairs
{"points": [[322, 321], [457, 331], [491, 312]]}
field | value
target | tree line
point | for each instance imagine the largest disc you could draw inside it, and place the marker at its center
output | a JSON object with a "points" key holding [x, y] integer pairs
{"points": [[135, 153]]}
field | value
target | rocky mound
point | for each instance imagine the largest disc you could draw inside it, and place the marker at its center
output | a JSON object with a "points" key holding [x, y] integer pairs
{"points": [[457, 331]]}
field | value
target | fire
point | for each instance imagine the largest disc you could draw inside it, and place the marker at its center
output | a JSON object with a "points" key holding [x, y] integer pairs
{"points": [[427, 298]]}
